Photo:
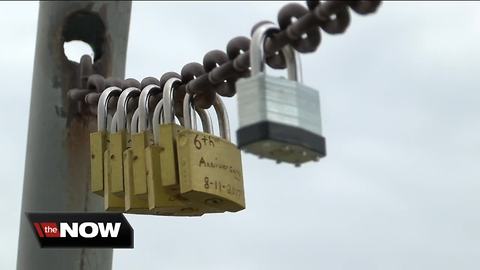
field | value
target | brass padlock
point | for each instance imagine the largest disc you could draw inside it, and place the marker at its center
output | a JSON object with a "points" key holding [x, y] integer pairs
{"points": [[136, 198], [112, 202], [114, 182], [210, 167], [141, 139], [161, 202], [136, 204], [168, 132], [157, 192], [98, 141], [118, 141]]}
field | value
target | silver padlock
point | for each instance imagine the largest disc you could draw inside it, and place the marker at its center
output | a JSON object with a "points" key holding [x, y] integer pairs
{"points": [[279, 118]]}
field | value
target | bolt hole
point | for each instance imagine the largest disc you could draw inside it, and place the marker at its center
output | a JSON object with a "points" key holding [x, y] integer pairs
{"points": [[75, 49]]}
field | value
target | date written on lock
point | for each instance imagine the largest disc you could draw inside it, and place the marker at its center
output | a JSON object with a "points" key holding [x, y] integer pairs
{"points": [[210, 170], [221, 187]]}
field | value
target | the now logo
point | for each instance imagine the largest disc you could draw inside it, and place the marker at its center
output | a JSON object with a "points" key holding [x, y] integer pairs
{"points": [[107, 229], [85, 229], [82, 230]]}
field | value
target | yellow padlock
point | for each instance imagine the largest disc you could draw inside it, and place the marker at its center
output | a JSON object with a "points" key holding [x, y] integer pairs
{"points": [[155, 153], [210, 167], [141, 139], [98, 141], [136, 198], [168, 132], [161, 202], [166, 135], [118, 141], [136, 204], [114, 181], [112, 202]]}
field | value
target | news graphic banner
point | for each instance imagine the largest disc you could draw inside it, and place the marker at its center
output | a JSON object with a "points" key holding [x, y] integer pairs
{"points": [[94, 230]]}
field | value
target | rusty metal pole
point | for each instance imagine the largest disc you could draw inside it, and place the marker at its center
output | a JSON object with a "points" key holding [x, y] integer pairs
{"points": [[57, 172]]}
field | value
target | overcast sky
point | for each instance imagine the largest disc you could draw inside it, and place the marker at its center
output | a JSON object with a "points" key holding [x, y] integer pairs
{"points": [[399, 188]]}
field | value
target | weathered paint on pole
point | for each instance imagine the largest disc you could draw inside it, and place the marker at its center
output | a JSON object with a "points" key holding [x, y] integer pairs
{"points": [[57, 172]]}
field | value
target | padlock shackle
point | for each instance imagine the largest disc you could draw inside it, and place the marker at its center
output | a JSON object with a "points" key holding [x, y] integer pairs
{"points": [[121, 113], [222, 116], [207, 124], [168, 109], [294, 64], [102, 107], [190, 120], [143, 102], [134, 123], [257, 53], [114, 124], [156, 119]]}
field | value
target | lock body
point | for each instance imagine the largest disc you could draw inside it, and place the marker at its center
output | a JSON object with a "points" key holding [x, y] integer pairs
{"points": [[139, 143], [210, 170], [118, 144], [133, 203], [279, 119], [168, 157], [160, 201], [164, 196], [112, 201], [134, 175], [98, 145]]}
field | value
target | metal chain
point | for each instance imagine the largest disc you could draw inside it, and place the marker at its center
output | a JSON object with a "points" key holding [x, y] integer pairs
{"points": [[298, 27], [303, 34]]}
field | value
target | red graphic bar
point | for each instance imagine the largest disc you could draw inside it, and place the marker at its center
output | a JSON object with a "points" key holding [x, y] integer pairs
{"points": [[39, 230]]}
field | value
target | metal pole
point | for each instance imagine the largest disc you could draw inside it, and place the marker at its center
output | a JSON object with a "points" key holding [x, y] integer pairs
{"points": [[57, 172]]}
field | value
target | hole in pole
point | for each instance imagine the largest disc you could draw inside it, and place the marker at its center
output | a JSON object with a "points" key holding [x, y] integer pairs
{"points": [[84, 27], [75, 49]]}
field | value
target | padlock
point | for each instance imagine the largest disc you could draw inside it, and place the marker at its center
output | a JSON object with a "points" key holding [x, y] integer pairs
{"points": [[114, 180], [112, 202], [98, 140], [118, 141], [210, 167], [168, 132], [141, 137], [157, 192], [279, 118], [160, 201], [134, 204]]}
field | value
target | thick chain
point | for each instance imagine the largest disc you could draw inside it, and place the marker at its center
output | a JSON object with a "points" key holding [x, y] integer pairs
{"points": [[303, 34], [298, 27]]}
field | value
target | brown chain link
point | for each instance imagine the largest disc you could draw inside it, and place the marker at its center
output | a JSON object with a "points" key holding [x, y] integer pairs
{"points": [[331, 16], [298, 26]]}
